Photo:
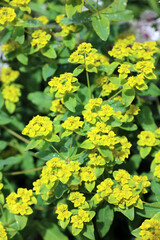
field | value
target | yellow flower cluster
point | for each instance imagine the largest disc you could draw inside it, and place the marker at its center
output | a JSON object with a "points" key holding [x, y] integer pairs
{"points": [[147, 138], [43, 19], [96, 160], [39, 126], [9, 47], [11, 93], [8, 75], [17, 3], [55, 170], [77, 198], [79, 219], [19, 203], [40, 38], [66, 83], [3, 235], [72, 123], [156, 162], [87, 55], [150, 229], [108, 88], [7, 15], [125, 191], [63, 213], [124, 70], [57, 106], [87, 174], [66, 29]]}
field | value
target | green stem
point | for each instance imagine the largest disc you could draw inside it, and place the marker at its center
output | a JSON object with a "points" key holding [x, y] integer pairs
{"points": [[15, 134], [91, 5], [88, 83], [78, 155], [23, 172], [69, 153], [58, 152], [114, 95]]}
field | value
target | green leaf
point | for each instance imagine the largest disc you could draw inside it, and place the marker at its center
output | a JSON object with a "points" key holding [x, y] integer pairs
{"points": [[128, 96], [72, 6], [152, 90], [49, 52], [52, 138], [1, 100], [32, 23], [41, 99], [150, 209], [3, 145], [18, 34], [144, 151], [136, 232], [155, 186], [89, 231], [10, 106], [70, 101], [120, 16], [60, 190], [78, 70], [87, 144], [101, 26], [50, 231], [6, 35], [129, 127], [48, 70], [129, 213], [70, 41], [4, 118], [22, 58], [33, 143], [89, 186], [106, 152], [9, 161], [111, 67], [104, 219], [146, 120], [21, 222]]}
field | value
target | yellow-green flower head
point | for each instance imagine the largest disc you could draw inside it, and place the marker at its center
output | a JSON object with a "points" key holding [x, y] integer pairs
{"points": [[124, 70], [59, 18], [63, 213], [9, 47], [11, 93], [87, 174], [39, 126], [108, 88], [104, 189], [84, 48], [157, 157], [57, 106], [143, 180], [137, 81], [43, 19], [96, 160], [147, 138], [78, 220], [72, 123], [40, 38], [19, 203], [125, 149], [77, 198], [7, 15], [63, 84], [3, 234], [122, 176], [8, 75], [150, 229], [145, 67]]}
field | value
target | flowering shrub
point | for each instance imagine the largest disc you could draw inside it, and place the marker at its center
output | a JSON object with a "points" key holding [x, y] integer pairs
{"points": [[80, 125]]}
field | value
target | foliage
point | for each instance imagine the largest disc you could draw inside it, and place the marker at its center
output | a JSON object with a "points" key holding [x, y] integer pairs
{"points": [[79, 120]]}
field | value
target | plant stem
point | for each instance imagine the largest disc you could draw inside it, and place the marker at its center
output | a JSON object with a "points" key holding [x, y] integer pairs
{"points": [[23, 172], [89, 89], [70, 147], [91, 5], [15, 134], [114, 95], [57, 152]]}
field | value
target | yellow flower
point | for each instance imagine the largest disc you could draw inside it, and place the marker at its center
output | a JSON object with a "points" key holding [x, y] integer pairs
{"points": [[40, 38], [87, 174], [8, 75], [137, 81], [3, 235], [66, 83], [19, 203], [57, 106], [63, 213], [17, 3], [108, 88], [77, 198], [9, 47], [96, 160], [7, 15], [124, 70], [157, 171], [11, 93], [72, 123], [78, 220], [38, 126], [147, 138], [43, 19], [150, 229], [104, 189]]}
